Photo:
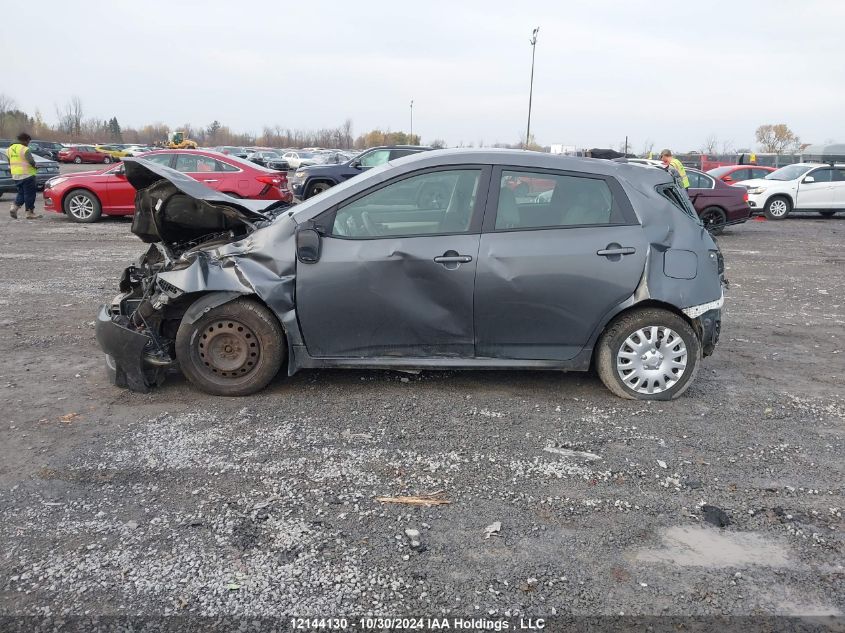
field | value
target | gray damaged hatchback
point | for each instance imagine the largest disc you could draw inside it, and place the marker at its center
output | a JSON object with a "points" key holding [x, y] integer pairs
{"points": [[446, 259]]}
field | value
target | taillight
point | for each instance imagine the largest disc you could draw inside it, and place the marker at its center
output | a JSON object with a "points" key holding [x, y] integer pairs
{"points": [[270, 180], [745, 196]]}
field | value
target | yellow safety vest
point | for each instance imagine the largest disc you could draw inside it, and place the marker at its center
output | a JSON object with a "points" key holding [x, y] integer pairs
{"points": [[678, 165], [20, 166]]}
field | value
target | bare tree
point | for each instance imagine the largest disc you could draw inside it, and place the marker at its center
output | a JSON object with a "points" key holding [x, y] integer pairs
{"points": [[777, 138], [6, 103], [728, 146], [648, 147], [711, 144], [70, 116]]}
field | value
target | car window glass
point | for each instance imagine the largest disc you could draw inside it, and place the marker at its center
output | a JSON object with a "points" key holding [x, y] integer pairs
{"points": [[195, 163], [219, 165], [160, 159], [378, 157], [699, 181], [399, 153], [740, 174], [820, 175], [540, 200], [838, 174], [760, 173], [428, 204]]}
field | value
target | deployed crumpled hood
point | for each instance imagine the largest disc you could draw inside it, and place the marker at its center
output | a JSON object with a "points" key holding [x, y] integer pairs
{"points": [[171, 207]]}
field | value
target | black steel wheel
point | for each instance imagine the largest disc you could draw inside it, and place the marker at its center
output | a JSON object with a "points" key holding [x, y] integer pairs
{"points": [[233, 350], [714, 219]]}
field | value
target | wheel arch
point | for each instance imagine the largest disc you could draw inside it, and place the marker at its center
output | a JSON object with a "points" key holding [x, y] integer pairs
{"points": [[785, 194], [640, 305], [86, 189], [193, 305]]}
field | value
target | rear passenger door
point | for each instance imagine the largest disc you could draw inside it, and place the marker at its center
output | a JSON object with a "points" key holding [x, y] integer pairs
{"points": [[550, 267], [201, 168]]}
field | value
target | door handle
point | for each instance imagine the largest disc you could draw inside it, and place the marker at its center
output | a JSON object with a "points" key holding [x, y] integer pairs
{"points": [[210, 180], [616, 250], [453, 259]]}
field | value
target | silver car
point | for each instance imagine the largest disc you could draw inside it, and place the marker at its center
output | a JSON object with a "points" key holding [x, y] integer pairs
{"points": [[430, 261]]}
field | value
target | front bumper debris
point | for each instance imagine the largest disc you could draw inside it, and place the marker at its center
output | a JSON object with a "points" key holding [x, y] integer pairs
{"points": [[124, 348], [710, 327]]}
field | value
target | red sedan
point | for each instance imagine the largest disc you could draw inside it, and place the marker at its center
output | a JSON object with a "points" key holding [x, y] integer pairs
{"points": [[83, 154], [737, 173], [86, 196]]}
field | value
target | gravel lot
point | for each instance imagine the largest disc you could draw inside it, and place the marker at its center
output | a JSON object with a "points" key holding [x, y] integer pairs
{"points": [[176, 502]]}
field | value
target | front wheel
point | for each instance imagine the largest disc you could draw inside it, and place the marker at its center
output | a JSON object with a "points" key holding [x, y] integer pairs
{"points": [[648, 354], [82, 206], [777, 208], [234, 349], [317, 188], [714, 219], [107, 160], [78, 160]]}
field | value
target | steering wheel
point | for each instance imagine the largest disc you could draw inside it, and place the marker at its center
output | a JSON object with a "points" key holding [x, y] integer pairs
{"points": [[369, 225]]}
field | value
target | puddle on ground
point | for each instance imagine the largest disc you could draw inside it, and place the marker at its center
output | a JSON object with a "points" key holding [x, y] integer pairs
{"points": [[693, 546]]}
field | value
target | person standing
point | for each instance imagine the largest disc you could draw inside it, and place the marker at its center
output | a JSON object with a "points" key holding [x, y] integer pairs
{"points": [[23, 173], [674, 166]]}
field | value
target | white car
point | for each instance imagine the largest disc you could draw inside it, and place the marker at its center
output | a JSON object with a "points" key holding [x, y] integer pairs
{"points": [[136, 150], [798, 187], [300, 158]]}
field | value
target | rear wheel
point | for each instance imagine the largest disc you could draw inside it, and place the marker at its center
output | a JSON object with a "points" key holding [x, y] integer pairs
{"points": [[107, 160], [648, 354], [78, 160], [778, 207], [827, 214], [316, 188], [233, 350], [82, 206], [714, 219]]}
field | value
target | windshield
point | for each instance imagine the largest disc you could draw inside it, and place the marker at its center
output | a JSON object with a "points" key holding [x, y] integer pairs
{"points": [[790, 172]]}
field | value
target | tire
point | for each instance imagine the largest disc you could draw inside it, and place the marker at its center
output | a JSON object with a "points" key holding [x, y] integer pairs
{"points": [[82, 206], [107, 160], [827, 214], [316, 188], [78, 160], [714, 219], [778, 207], [630, 334], [234, 349]]}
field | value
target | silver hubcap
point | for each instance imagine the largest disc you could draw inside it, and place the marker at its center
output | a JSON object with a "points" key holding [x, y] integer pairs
{"points": [[81, 207], [777, 207], [652, 359]]}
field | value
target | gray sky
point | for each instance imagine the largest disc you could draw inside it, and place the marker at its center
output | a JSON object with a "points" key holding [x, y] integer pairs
{"points": [[673, 72]]}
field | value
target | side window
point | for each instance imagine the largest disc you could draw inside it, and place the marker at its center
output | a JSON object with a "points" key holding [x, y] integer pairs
{"points": [[839, 175], [821, 175], [760, 173], [551, 200], [373, 159], [160, 159], [219, 165], [428, 204], [700, 181], [740, 174], [399, 153], [194, 163]]}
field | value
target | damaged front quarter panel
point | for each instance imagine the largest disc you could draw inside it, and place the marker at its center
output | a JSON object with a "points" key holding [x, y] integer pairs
{"points": [[204, 252]]}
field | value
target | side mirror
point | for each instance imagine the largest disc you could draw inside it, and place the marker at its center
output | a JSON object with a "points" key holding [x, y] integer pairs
{"points": [[355, 164], [809, 179], [728, 179], [308, 244]]}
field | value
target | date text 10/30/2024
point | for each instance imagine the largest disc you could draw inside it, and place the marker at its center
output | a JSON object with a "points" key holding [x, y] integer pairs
{"points": [[419, 624]]}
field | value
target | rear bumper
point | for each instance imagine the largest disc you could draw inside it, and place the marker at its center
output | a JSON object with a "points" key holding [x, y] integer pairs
{"points": [[710, 327], [124, 349]]}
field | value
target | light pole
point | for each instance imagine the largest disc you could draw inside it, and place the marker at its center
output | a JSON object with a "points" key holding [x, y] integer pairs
{"points": [[531, 86], [412, 122]]}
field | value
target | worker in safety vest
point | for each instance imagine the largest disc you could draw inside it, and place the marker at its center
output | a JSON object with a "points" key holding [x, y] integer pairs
{"points": [[23, 173], [674, 165]]}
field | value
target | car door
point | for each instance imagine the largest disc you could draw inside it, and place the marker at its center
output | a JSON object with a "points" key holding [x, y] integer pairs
{"points": [[396, 271], [552, 267], [837, 188], [121, 195], [818, 193], [201, 168], [738, 175]]}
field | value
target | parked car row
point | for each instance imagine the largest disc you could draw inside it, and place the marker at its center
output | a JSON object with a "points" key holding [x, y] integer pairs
{"points": [[87, 196], [45, 170]]}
